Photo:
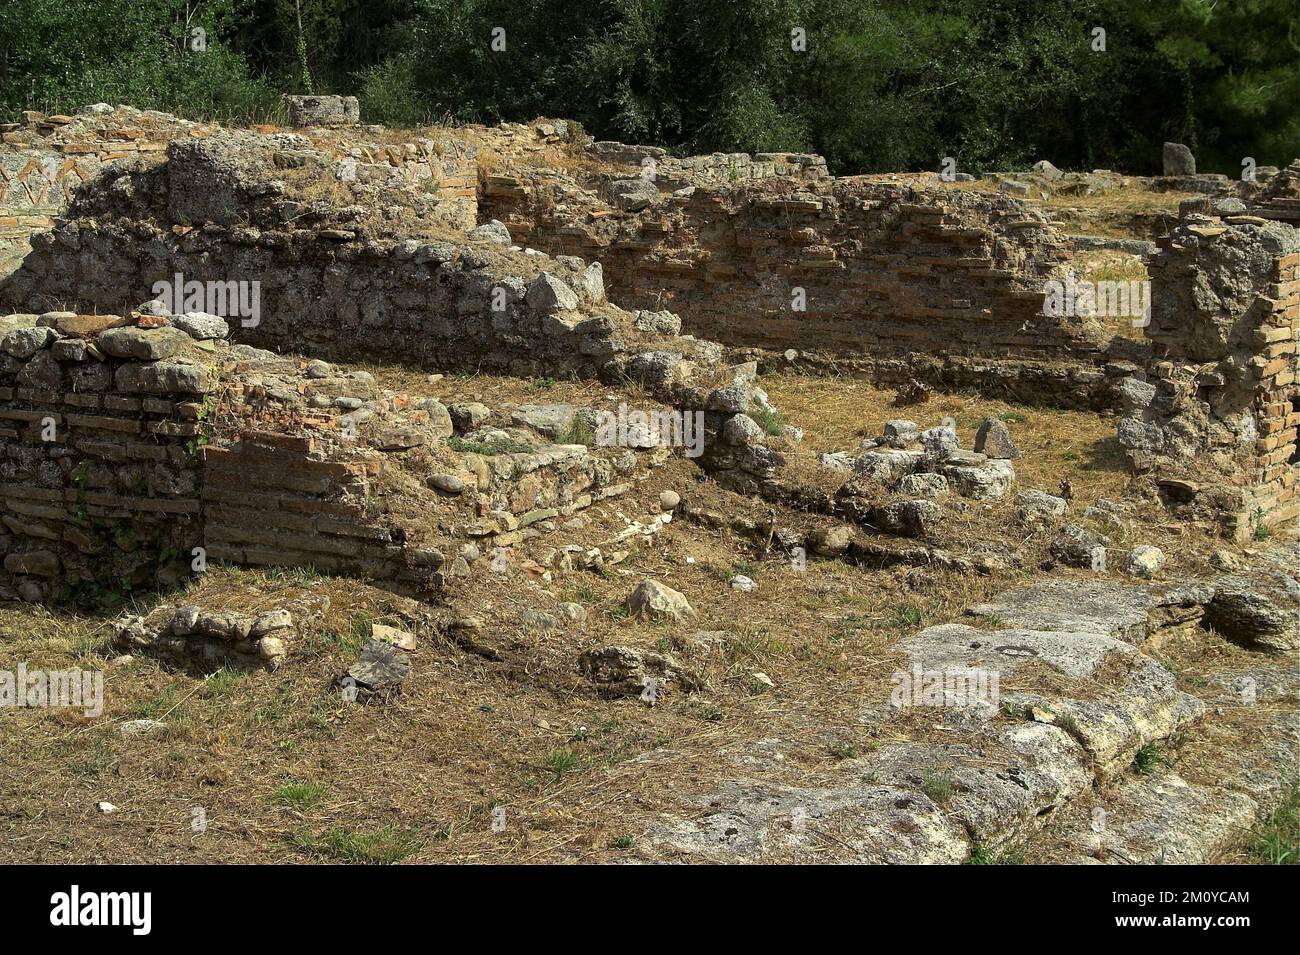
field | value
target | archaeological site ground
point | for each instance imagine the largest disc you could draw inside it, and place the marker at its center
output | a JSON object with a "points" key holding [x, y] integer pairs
{"points": [[491, 493]]}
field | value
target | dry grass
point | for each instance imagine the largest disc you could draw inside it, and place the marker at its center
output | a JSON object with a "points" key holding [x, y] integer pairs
{"points": [[286, 771]]}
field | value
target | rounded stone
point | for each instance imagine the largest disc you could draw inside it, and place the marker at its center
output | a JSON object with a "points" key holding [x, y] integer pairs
{"points": [[447, 483]]}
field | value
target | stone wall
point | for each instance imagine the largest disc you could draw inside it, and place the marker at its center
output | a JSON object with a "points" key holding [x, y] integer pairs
{"points": [[99, 465], [325, 294], [886, 269], [132, 452], [1213, 427], [45, 160]]}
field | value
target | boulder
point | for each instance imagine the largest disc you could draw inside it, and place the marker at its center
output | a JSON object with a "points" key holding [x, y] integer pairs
{"points": [[658, 323], [741, 429], [467, 416], [1178, 160], [269, 622], [982, 482], [549, 294], [142, 344], [922, 485], [1039, 507], [625, 671], [993, 439], [830, 541], [653, 600], [631, 195], [492, 231], [26, 342], [909, 518], [551, 420], [322, 110], [202, 326], [887, 467], [1077, 547], [1144, 561], [1250, 611], [163, 378]]}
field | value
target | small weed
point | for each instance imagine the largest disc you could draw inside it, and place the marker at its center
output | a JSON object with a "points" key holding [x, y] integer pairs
{"points": [[939, 787], [841, 749], [983, 855], [769, 419], [908, 616], [559, 762], [300, 795], [1148, 759], [1276, 840]]}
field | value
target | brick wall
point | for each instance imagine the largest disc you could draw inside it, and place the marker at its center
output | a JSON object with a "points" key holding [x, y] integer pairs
{"points": [[1217, 440], [99, 470], [887, 268]]}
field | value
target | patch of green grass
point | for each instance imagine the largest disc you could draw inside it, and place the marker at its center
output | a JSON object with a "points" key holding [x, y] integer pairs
{"points": [[377, 847], [559, 762], [485, 449], [940, 787], [223, 683], [983, 855], [713, 714], [300, 795], [908, 616], [578, 432], [318, 643], [1068, 723], [1148, 759], [769, 419], [1276, 840], [155, 706], [841, 749], [581, 593], [94, 762], [755, 646], [623, 842]]}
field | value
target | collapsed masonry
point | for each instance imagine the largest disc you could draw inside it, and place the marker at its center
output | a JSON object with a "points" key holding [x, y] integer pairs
{"points": [[365, 248], [1213, 428], [144, 435], [128, 447]]}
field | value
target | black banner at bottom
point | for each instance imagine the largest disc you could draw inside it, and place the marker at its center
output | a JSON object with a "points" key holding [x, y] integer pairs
{"points": [[144, 905]]}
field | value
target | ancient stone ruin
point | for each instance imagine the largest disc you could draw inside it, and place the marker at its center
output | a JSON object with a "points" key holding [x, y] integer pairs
{"points": [[312, 348]]}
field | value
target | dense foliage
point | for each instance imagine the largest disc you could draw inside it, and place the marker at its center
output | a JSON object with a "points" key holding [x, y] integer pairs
{"points": [[882, 84]]}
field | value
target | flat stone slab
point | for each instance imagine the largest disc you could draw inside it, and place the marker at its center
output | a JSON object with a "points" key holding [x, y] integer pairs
{"points": [[955, 646], [1120, 611], [862, 822], [380, 667], [1162, 821]]}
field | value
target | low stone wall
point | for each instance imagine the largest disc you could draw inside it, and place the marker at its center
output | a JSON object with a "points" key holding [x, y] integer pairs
{"points": [[45, 161], [329, 295], [132, 454]]}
